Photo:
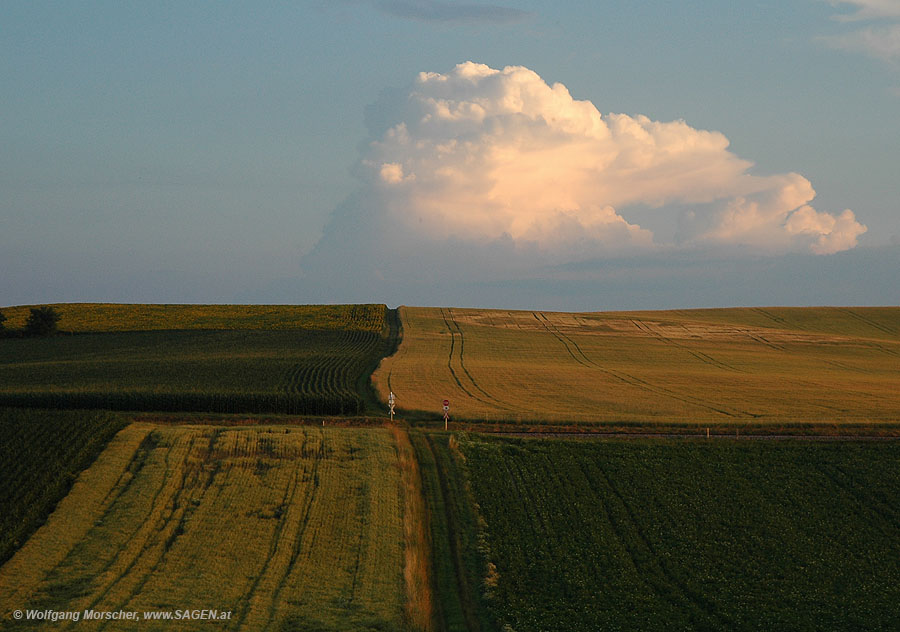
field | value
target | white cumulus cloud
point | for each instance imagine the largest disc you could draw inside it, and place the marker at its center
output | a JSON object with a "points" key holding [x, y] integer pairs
{"points": [[481, 156]]}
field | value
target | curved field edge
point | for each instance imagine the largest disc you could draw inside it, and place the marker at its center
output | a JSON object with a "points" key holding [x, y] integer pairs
{"points": [[42, 452], [778, 367], [286, 527], [392, 336], [684, 534]]}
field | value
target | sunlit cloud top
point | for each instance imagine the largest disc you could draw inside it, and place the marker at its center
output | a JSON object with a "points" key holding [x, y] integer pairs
{"points": [[479, 155]]}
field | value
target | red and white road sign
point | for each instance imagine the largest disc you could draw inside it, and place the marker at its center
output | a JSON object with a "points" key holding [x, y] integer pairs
{"points": [[446, 403]]}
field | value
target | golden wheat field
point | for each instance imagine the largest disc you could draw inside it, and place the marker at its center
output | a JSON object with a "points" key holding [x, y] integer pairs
{"points": [[784, 365], [277, 525]]}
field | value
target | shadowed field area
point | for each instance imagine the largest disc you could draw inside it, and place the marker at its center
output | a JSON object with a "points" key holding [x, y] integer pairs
{"points": [[42, 452], [782, 365], [232, 359], [668, 534]]}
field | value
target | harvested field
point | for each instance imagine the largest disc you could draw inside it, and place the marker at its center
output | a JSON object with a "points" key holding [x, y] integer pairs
{"points": [[797, 365]]}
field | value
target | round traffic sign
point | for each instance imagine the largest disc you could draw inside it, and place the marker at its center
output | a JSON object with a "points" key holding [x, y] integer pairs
{"points": [[446, 402]]}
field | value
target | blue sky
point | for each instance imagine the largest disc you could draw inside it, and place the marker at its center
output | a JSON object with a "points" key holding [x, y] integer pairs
{"points": [[200, 152]]}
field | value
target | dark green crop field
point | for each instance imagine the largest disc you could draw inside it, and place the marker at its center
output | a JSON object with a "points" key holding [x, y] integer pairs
{"points": [[41, 454], [318, 364], [674, 535]]}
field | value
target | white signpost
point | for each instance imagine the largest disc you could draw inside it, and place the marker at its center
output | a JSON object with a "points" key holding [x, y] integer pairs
{"points": [[391, 404], [446, 412]]}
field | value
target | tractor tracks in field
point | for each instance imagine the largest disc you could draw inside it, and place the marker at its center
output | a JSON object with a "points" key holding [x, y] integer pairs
{"points": [[283, 537], [454, 537], [756, 337], [456, 331], [868, 321], [781, 322], [578, 355], [645, 558], [450, 358], [566, 341], [147, 533], [867, 342], [174, 522], [298, 537], [703, 357], [286, 500], [865, 498], [778, 320]]}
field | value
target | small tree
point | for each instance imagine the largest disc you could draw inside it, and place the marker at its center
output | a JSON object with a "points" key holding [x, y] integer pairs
{"points": [[41, 322], [2, 318]]}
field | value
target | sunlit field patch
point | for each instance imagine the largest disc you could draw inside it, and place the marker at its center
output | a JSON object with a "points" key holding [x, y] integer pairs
{"points": [[718, 367], [274, 524]]}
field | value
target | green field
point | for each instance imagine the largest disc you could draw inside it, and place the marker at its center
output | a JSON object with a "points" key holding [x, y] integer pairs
{"points": [[698, 367], [675, 535], [231, 359], [41, 454], [288, 528]]}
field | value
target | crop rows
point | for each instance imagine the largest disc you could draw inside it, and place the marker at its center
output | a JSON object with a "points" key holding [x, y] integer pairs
{"points": [[287, 528], [315, 372], [336, 370], [41, 453], [342, 403], [588, 535]]}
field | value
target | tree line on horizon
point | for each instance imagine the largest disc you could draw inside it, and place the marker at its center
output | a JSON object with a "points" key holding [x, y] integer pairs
{"points": [[42, 321]]}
